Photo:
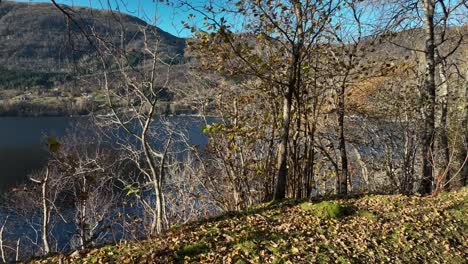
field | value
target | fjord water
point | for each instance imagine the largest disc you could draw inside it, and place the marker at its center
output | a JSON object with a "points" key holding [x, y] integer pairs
{"points": [[22, 147]]}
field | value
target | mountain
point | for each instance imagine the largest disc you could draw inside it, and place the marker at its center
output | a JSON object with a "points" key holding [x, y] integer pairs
{"points": [[37, 36]]}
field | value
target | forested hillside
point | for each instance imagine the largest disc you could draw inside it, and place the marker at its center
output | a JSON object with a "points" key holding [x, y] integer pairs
{"points": [[46, 59], [37, 37]]}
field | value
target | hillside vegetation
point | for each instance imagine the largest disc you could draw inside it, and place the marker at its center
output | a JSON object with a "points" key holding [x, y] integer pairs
{"points": [[370, 229], [36, 36]]}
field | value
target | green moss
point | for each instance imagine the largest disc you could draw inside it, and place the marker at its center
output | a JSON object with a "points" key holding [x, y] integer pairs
{"points": [[192, 250], [394, 237], [274, 250], [450, 258], [323, 258], [367, 215], [325, 209], [213, 231], [248, 247], [259, 236], [460, 212], [240, 261], [278, 261], [110, 250], [321, 230], [342, 260]]}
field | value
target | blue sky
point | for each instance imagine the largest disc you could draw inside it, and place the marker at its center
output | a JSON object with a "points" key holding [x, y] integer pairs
{"points": [[169, 19]]}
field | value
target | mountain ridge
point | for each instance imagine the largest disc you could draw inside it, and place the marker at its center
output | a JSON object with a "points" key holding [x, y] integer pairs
{"points": [[36, 36]]}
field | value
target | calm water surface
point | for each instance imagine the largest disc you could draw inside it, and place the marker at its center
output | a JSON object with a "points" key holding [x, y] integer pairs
{"points": [[22, 148]]}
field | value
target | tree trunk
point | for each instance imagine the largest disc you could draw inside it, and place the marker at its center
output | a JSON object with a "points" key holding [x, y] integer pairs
{"points": [[463, 157], [464, 147], [156, 176], [442, 123], [2, 251], [293, 86], [311, 161], [157, 225], [428, 100], [82, 225], [342, 181], [45, 213], [280, 190], [407, 184], [362, 165]]}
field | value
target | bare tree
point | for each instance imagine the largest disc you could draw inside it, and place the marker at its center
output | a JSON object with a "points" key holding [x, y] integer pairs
{"points": [[44, 182], [89, 166], [49, 193]]}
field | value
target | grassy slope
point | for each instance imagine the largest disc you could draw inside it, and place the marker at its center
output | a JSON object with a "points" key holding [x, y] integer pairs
{"points": [[372, 229]]}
